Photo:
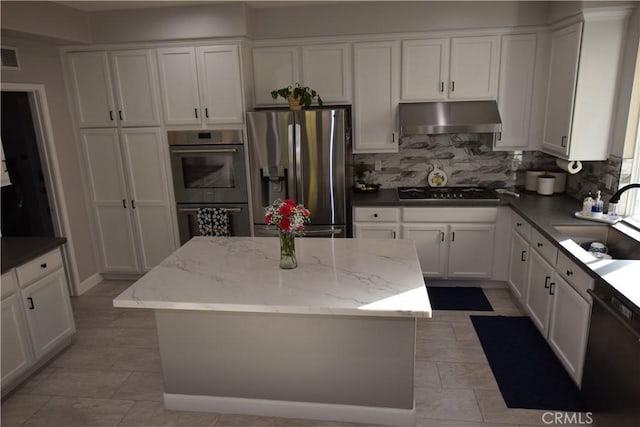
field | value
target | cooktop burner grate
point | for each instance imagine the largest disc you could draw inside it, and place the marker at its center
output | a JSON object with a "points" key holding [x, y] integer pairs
{"points": [[446, 193]]}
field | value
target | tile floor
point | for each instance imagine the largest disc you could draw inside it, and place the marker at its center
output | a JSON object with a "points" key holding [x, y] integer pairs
{"points": [[110, 375]]}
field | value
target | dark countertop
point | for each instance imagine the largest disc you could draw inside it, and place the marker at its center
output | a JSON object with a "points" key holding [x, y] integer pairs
{"points": [[543, 212], [18, 250]]}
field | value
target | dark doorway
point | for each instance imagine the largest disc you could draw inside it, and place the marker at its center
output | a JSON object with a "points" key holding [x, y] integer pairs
{"points": [[25, 204]]}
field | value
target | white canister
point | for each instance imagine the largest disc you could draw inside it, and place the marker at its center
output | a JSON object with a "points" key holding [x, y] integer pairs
{"points": [[545, 185], [561, 181], [531, 180]]}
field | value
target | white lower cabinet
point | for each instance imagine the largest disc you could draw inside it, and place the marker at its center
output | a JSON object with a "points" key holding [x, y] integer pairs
{"points": [[376, 223], [460, 249], [538, 300], [519, 261], [130, 197], [37, 320]]}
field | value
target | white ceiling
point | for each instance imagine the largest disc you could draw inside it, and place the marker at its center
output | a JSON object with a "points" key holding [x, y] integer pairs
{"points": [[97, 6]]}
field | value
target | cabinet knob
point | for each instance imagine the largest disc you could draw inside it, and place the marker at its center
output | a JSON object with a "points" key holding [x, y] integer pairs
{"points": [[43, 265], [540, 245], [375, 215], [518, 224], [569, 273]]}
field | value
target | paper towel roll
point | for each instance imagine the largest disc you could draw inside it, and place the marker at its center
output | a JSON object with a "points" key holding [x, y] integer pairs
{"points": [[571, 166]]}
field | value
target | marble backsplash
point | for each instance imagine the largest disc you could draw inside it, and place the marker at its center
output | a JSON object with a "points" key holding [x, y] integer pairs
{"points": [[469, 159]]}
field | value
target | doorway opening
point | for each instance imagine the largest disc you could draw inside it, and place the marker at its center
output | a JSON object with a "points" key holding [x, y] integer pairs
{"points": [[26, 207]]}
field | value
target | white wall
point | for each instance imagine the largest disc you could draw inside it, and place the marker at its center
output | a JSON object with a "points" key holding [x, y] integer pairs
{"points": [[40, 63], [169, 23], [45, 19], [391, 17]]}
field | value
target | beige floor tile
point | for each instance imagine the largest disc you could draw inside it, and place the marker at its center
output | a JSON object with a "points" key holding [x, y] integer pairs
{"points": [[422, 422], [120, 337], [136, 359], [229, 420], [111, 288], [19, 408], [138, 319], [141, 386], [435, 330], [92, 302], [494, 409], [94, 318], [81, 383], [82, 357], [468, 351], [465, 331], [31, 383], [426, 374], [80, 412], [153, 414], [466, 375], [447, 404]]}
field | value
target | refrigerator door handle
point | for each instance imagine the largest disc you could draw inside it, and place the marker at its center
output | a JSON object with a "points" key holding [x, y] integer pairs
{"points": [[326, 231], [291, 184], [298, 157]]}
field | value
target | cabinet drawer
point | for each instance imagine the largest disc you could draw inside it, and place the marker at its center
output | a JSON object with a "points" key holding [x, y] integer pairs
{"points": [[521, 226], [39, 267], [376, 214], [579, 279], [544, 247], [8, 284], [455, 214]]}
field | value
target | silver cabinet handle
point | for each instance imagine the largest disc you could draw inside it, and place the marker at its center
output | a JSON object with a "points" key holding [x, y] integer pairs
{"points": [[212, 151]]}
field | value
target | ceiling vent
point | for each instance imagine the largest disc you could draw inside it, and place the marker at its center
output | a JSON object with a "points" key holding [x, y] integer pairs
{"points": [[9, 58]]}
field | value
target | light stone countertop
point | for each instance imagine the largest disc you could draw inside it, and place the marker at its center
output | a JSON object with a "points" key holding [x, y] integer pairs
{"points": [[353, 277]]}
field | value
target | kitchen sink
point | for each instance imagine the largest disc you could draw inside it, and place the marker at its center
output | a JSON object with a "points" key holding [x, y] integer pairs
{"points": [[621, 245]]}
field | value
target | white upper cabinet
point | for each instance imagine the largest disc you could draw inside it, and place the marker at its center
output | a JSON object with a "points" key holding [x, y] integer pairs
{"points": [[376, 81], [583, 82], [274, 68], [90, 81], [201, 85], [135, 87], [179, 86], [517, 65], [326, 69], [461, 68]]}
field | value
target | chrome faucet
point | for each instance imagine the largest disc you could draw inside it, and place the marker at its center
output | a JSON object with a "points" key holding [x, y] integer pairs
{"points": [[616, 197]]}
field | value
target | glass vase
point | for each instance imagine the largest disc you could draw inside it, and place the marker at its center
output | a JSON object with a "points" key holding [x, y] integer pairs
{"points": [[287, 250]]}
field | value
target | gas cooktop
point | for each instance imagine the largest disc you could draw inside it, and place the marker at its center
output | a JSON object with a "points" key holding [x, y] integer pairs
{"points": [[446, 193]]}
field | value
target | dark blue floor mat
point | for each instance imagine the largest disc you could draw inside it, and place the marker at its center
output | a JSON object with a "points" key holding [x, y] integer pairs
{"points": [[527, 371], [458, 298]]}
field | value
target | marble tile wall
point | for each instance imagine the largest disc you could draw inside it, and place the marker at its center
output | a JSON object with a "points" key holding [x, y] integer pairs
{"points": [[468, 159]]}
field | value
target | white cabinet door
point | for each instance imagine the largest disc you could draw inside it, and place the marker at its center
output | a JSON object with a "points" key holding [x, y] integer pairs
{"points": [[135, 86], [471, 250], [538, 299], [48, 311], [220, 84], [376, 96], [325, 68], [517, 64], [144, 164], [431, 244], [563, 72], [179, 86], [274, 68], [375, 231], [474, 67], [425, 68], [90, 82], [16, 350], [569, 326], [519, 261], [109, 200]]}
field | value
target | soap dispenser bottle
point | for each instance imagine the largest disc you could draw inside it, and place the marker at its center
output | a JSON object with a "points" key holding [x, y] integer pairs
{"points": [[587, 204], [598, 206]]}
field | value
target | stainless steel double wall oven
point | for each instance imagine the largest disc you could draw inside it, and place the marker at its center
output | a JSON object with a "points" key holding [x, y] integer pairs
{"points": [[209, 171]]}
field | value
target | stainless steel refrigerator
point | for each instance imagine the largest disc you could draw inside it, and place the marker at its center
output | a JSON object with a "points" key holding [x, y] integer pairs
{"points": [[301, 155]]}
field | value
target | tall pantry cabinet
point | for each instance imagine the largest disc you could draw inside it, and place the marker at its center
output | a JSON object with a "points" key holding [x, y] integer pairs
{"points": [[115, 98]]}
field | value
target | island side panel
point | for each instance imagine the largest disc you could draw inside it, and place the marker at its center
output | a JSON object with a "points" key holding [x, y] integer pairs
{"points": [[349, 360]]}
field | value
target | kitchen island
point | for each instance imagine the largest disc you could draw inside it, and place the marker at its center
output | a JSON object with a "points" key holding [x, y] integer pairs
{"points": [[333, 339]]}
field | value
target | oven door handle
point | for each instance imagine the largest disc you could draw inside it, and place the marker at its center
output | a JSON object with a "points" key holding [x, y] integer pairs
{"points": [[206, 151], [597, 298], [196, 209]]}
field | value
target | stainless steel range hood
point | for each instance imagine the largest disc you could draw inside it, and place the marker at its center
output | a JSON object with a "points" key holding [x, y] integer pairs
{"points": [[428, 118]]}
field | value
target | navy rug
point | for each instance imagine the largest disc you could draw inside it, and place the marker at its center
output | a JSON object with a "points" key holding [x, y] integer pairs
{"points": [[458, 298], [527, 371]]}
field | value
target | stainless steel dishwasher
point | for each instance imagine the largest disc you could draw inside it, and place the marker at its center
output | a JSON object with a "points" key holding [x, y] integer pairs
{"points": [[611, 378]]}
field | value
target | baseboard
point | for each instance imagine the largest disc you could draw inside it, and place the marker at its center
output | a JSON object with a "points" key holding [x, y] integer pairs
{"points": [[290, 409], [478, 283], [89, 283]]}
